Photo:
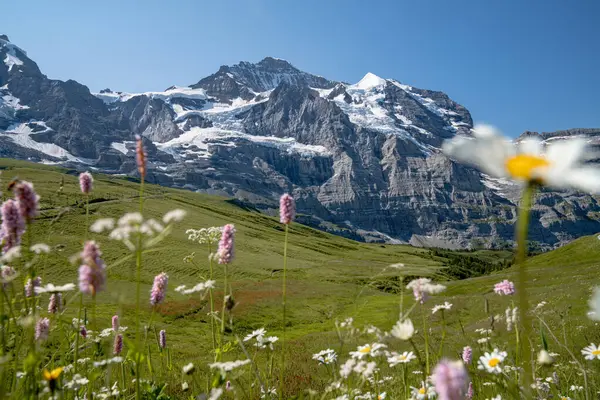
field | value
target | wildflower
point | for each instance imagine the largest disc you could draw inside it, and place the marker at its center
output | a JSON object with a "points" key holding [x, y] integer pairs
{"points": [[85, 182], [467, 355], [262, 342], [229, 302], [594, 303], [52, 377], [372, 350], [426, 391], [92, 274], [118, 345], [560, 165], [174, 216], [215, 393], [544, 358], [185, 386], [225, 251], [188, 369], [140, 156], [491, 362], [287, 209], [590, 352], [512, 316], [159, 288], [540, 305], [228, 366], [13, 225], [394, 358], [470, 391], [55, 303], [77, 382], [115, 323], [102, 224], [51, 288], [7, 274], [83, 331], [42, 329], [268, 393], [205, 235], [403, 330], [564, 398], [325, 356], [450, 380], [575, 388], [27, 200], [381, 396], [483, 340], [162, 339], [31, 285], [445, 306], [423, 287], [11, 254], [200, 287], [102, 363], [40, 248], [504, 288]]}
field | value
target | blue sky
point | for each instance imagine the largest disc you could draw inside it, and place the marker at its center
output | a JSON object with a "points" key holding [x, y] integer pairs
{"points": [[520, 65]]}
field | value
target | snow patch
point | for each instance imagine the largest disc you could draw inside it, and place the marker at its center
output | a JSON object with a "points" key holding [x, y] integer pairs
{"points": [[370, 81], [11, 58], [120, 146]]}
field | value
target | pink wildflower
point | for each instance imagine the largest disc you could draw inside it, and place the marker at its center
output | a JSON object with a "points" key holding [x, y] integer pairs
{"points": [[162, 339], [118, 345], [140, 156], [31, 285], [450, 380], [27, 200], [287, 209], [115, 323], [13, 225], [159, 288], [85, 182], [470, 392], [83, 331], [504, 288], [225, 251], [42, 329], [92, 273], [467, 355], [55, 303]]}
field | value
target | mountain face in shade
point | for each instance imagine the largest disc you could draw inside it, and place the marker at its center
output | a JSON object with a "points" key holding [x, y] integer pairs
{"points": [[362, 160]]}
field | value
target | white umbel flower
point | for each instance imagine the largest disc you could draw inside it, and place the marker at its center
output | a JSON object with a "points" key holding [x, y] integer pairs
{"points": [[403, 330], [560, 165]]}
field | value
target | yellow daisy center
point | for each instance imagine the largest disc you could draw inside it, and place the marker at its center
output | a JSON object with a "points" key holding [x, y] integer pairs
{"points": [[422, 391], [596, 352], [521, 166], [402, 357], [493, 362], [365, 350]]}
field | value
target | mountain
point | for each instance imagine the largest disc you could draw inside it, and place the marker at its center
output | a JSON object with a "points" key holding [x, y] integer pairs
{"points": [[362, 160]]}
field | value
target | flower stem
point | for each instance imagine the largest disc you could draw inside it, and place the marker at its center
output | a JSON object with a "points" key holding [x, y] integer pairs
{"points": [[212, 306], [426, 335], [284, 294], [138, 262], [521, 235], [77, 333], [223, 312]]}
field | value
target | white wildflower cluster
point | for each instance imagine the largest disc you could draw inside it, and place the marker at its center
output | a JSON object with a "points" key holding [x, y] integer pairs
{"points": [[262, 340], [403, 329], [327, 356], [77, 382], [40, 248], [394, 358], [360, 367], [103, 363], [200, 287], [133, 224], [228, 366], [512, 317], [368, 350], [205, 235], [425, 391], [423, 287], [107, 393], [445, 306]]}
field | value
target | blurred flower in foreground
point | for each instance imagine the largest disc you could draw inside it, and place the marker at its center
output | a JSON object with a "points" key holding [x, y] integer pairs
{"points": [[559, 165]]}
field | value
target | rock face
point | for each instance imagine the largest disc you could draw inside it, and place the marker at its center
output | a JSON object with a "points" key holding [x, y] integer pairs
{"points": [[361, 160]]}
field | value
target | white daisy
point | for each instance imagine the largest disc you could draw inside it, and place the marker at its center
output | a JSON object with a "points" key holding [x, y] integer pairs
{"points": [[325, 356], [560, 164], [403, 330], [396, 358], [50, 288], [372, 350], [492, 362], [445, 306], [591, 352], [425, 392], [255, 334]]}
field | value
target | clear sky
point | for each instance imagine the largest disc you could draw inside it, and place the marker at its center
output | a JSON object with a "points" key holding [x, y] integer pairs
{"points": [[517, 64]]}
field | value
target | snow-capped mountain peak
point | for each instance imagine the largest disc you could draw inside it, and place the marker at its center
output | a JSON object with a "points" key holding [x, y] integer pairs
{"points": [[370, 81]]}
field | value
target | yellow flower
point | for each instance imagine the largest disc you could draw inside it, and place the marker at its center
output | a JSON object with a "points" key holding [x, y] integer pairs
{"points": [[52, 375]]}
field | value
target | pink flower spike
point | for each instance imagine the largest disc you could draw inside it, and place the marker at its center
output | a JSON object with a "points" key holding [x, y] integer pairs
{"points": [[504, 288], [115, 323], [287, 209], [140, 156], [27, 200], [92, 273], [118, 345], [86, 182], [42, 329], [470, 392], [159, 288], [13, 225], [162, 339], [55, 303], [225, 251], [451, 380], [467, 355]]}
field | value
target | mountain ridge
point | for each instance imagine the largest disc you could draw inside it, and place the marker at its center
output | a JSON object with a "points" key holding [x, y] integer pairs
{"points": [[363, 159]]}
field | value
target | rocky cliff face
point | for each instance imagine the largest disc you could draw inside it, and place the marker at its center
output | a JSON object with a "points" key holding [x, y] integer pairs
{"points": [[362, 160]]}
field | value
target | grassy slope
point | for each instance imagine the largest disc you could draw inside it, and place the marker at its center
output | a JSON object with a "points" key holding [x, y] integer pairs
{"points": [[327, 274]]}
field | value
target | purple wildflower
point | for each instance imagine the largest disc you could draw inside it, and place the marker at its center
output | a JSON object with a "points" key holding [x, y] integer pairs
{"points": [[228, 386], [30, 286], [504, 288], [467, 354], [83, 331], [470, 392], [55, 303], [159, 288], [92, 273], [287, 209], [13, 225], [42, 329], [140, 156], [162, 339], [27, 200], [450, 380], [85, 182], [118, 345], [225, 251], [115, 323]]}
